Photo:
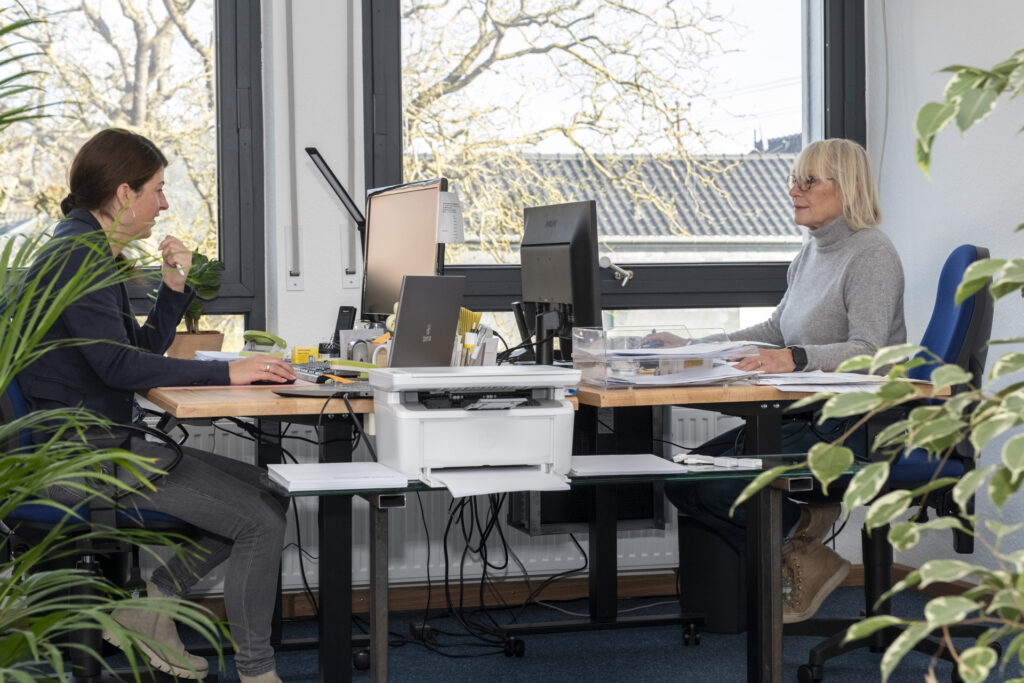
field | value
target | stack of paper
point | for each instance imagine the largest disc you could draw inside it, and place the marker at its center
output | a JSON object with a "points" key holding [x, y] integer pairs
{"points": [[695, 350], [718, 374], [611, 465], [336, 476]]}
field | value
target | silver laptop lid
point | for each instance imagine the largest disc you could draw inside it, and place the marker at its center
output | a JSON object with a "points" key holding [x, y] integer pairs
{"points": [[427, 320]]}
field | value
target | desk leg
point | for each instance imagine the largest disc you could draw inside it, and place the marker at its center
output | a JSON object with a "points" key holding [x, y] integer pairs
{"points": [[378, 591], [764, 559], [335, 517], [764, 586], [604, 555]]}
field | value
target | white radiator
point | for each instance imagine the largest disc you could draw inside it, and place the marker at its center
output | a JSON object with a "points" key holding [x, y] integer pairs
{"points": [[639, 550]]}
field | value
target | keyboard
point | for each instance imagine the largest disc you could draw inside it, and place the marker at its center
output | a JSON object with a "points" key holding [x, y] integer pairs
{"points": [[312, 371]]}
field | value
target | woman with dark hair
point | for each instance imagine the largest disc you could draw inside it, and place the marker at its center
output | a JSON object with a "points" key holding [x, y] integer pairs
{"points": [[116, 182]]}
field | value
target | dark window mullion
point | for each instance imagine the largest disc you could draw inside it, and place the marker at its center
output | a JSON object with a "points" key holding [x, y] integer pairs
{"points": [[240, 164], [704, 285]]}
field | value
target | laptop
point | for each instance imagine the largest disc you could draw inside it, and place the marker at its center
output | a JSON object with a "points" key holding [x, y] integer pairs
{"points": [[425, 327]]}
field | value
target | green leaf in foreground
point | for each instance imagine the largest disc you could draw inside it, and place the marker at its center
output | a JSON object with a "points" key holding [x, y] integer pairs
{"points": [[760, 481], [828, 461], [976, 663]]}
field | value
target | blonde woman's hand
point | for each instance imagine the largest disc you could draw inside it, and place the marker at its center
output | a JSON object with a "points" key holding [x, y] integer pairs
{"points": [[767, 360]]}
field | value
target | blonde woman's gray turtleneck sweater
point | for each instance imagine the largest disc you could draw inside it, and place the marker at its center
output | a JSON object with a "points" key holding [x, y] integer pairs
{"points": [[844, 297]]}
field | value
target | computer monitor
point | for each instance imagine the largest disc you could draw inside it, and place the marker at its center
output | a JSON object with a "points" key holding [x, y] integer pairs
{"points": [[558, 258], [401, 239]]}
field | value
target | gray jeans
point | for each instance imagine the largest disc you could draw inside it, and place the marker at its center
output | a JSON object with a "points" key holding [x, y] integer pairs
{"points": [[241, 520]]}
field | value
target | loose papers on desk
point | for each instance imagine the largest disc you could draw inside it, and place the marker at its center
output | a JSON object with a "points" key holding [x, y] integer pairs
{"points": [[716, 374], [818, 380], [727, 349], [336, 476]]}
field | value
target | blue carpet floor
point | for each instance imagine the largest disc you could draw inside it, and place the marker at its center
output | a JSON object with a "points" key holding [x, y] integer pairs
{"points": [[634, 655]]}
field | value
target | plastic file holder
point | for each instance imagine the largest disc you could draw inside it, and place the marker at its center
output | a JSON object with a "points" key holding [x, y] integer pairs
{"points": [[601, 355]]}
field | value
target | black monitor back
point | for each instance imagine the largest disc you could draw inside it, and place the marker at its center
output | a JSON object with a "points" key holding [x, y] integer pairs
{"points": [[558, 257]]}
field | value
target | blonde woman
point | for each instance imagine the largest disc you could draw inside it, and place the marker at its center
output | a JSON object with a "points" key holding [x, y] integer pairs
{"points": [[844, 297]]}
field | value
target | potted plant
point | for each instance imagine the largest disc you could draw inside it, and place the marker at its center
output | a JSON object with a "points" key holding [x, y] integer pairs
{"points": [[204, 278], [996, 601], [36, 615]]}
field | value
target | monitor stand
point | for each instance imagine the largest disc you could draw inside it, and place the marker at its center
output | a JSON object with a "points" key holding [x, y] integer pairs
{"points": [[548, 324]]}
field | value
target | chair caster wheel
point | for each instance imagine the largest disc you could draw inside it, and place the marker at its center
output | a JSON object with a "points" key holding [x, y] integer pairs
{"points": [[691, 633], [514, 647], [361, 659], [808, 674]]}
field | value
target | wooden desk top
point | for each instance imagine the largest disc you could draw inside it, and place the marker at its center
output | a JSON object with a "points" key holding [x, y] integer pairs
{"points": [[619, 398], [244, 401], [261, 401], [692, 395]]}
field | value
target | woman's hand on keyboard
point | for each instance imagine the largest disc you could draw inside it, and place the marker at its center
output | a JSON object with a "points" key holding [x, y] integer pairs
{"points": [[260, 369]]}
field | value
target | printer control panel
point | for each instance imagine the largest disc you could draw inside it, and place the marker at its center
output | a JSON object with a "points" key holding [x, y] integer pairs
{"points": [[477, 398]]}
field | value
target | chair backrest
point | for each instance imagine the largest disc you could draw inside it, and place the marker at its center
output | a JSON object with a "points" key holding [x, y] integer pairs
{"points": [[958, 334], [12, 406]]}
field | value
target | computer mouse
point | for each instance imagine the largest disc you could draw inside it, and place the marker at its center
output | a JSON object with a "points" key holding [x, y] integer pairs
{"points": [[261, 382]]}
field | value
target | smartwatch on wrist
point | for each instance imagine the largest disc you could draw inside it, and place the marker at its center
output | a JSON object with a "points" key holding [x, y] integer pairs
{"points": [[799, 357]]}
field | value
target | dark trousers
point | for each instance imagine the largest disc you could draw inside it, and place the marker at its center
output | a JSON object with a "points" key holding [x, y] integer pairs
{"points": [[709, 501]]}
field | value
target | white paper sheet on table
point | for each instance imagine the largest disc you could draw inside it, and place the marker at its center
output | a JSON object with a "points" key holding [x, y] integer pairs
{"points": [[218, 355], [870, 387], [336, 476], [479, 481], [788, 379], [608, 465]]}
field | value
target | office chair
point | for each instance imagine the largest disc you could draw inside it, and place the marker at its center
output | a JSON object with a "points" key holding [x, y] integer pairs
{"points": [[29, 519], [958, 334]]}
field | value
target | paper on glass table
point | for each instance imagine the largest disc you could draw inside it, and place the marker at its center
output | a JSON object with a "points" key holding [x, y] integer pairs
{"points": [[479, 481], [336, 476], [610, 465]]}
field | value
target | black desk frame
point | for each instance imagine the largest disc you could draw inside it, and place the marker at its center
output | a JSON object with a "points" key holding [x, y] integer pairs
{"points": [[764, 614]]}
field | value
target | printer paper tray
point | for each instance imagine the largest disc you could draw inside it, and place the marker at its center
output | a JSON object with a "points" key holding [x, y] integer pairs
{"points": [[477, 481]]}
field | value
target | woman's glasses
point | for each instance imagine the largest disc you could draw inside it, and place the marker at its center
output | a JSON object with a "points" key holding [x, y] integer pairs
{"points": [[804, 183]]}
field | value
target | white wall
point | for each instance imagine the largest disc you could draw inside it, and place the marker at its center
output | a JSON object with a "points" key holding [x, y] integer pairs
{"points": [[320, 106], [976, 192]]}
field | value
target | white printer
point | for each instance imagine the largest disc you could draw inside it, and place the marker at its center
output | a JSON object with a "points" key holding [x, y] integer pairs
{"points": [[428, 419]]}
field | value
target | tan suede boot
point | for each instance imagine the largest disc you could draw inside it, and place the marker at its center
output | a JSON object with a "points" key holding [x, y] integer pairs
{"points": [[815, 521], [268, 677], [810, 572], [160, 627]]}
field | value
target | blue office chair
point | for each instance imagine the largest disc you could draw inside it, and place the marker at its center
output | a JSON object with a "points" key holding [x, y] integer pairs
{"points": [[29, 518], [958, 334]]}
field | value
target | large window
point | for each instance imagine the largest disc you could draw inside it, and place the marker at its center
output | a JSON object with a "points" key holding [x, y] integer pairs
{"points": [[183, 73], [682, 121]]}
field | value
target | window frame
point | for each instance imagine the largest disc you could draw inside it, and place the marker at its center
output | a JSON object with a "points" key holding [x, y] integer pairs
{"points": [[676, 285], [241, 202]]}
